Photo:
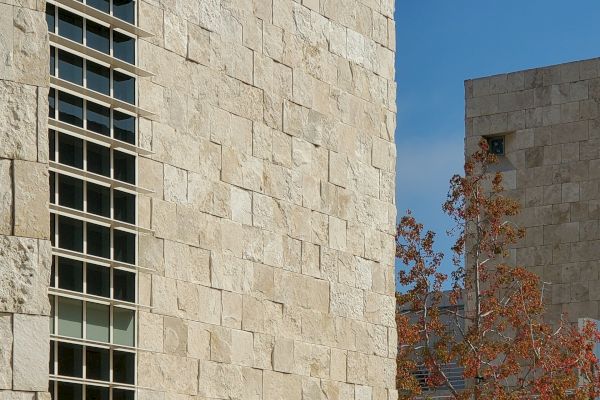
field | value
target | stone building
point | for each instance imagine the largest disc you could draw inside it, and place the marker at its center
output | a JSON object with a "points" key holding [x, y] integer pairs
{"points": [[197, 199], [549, 120]]}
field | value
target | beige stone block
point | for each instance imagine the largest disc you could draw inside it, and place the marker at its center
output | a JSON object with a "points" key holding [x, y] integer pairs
{"points": [[175, 31], [283, 355], [263, 351], [31, 349], [31, 199], [151, 331], [224, 381], [199, 303], [6, 349], [363, 392], [281, 386], [337, 233], [175, 336], [338, 169], [30, 55], [379, 309], [175, 184], [198, 345], [198, 45], [303, 291], [311, 360], [242, 170], [338, 364], [232, 310], [6, 197], [187, 263], [231, 273], [168, 372]]}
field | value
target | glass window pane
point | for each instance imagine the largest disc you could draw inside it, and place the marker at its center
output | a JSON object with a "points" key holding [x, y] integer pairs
{"points": [[98, 199], [52, 103], [70, 274], [70, 25], [69, 391], [70, 150], [124, 47], [70, 109], [124, 127], [124, 246], [96, 392], [70, 192], [123, 394], [124, 167], [70, 359], [52, 187], [52, 60], [50, 18], [98, 159], [53, 274], [123, 326], [98, 240], [97, 363], [124, 9], [124, 285], [70, 318], [124, 205], [70, 67], [124, 87], [98, 77], [51, 144], [123, 367], [101, 5], [98, 118], [97, 322], [52, 229], [51, 361], [98, 280], [97, 36], [70, 233], [51, 314]]}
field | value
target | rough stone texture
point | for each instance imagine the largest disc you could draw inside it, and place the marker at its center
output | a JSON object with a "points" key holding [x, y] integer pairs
{"points": [[551, 119], [25, 250], [273, 206]]}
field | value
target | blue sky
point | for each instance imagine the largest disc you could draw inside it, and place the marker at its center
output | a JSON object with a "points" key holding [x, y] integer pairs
{"points": [[440, 43]]}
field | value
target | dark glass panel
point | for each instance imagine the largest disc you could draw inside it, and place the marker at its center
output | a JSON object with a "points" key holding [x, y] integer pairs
{"points": [[124, 47], [98, 240], [70, 150], [70, 359], [98, 78], [51, 361], [124, 127], [52, 187], [51, 144], [124, 246], [96, 392], [124, 9], [53, 273], [123, 394], [124, 285], [98, 118], [52, 103], [98, 159], [124, 167], [98, 280], [124, 87], [70, 25], [70, 67], [97, 36], [69, 391], [52, 60], [98, 199], [98, 363], [52, 229], [70, 233], [50, 17], [123, 367], [70, 274], [102, 5], [70, 192], [70, 109], [124, 206]]}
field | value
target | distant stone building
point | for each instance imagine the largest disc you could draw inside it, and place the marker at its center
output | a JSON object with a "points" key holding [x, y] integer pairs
{"points": [[197, 199], [549, 121]]}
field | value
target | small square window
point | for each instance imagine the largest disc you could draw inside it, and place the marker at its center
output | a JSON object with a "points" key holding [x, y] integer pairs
{"points": [[51, 361], [70, 67], [496, 145], [70, 274], [70, 319], [52, 103], [52, 60], [124, 87], [53, 274], [124, 127], [124, 285], [70, 360], [98, 118], [52, 187], [97, 37], [51, 144], [124, 9], [123, 326], [96, 392], [123, 367], [97, 364], [98, 280], [122, 394], [124, 205], [98, 199], [124, 246], [124, 166], [98, 78], [98, 159], [102, 5], [98, 240], [70, 192], [124, 47], [70, 233], [97, 322], [70, 25], [50, 17], [69, 391], [70, 150], [70, 109]]}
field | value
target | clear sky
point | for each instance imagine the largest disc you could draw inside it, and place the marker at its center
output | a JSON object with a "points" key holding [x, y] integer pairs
{"points": [[440, 43]]}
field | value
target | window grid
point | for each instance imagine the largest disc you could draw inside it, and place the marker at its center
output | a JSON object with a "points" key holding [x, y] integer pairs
{"points": [[87, 221]]}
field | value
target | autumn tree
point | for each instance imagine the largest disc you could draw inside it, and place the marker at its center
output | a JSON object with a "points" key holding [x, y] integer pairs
{"points": [[501, 338]]}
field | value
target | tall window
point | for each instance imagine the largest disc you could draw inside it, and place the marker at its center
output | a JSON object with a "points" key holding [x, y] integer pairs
{"points": [[93, 118]]}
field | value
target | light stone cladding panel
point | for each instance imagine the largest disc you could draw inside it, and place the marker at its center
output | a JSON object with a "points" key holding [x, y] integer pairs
{"points": [[271, 267], [25, 250], [551, 119]]}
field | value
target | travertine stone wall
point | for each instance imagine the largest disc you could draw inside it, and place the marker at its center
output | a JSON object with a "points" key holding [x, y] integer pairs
{"points": [[271, 264], [552, 167], [25, 251]]}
